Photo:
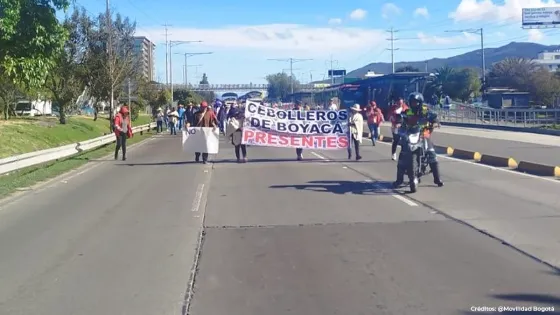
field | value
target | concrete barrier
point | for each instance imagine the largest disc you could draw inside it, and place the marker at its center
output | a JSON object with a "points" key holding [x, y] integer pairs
{"points": [[498, 161], [464, 154], [538, 169]]}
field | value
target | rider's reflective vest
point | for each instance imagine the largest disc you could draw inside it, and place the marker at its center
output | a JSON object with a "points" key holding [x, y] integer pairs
{"points": [[414, 116]]}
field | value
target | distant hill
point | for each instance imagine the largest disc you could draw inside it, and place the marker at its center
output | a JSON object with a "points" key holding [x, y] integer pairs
{"points": [[470, 59]]}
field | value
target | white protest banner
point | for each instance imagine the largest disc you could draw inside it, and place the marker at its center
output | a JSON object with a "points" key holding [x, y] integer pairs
{"points": [[314, 129], [201, 139]]}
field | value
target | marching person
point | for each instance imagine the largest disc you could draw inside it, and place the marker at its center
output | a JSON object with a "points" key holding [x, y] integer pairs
{"points": [[234, 129], [374, 120], [204, 117], [173, 119], [123, 131], [159, 120], [395, 117], [356, 126], [299, 151]]}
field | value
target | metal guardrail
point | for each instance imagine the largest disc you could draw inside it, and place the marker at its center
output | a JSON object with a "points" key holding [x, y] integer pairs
{"points": [[17, 162], [510, 117]]}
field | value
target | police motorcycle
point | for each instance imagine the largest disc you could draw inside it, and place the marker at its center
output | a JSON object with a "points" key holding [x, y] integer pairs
{"points": [[413, 160]]}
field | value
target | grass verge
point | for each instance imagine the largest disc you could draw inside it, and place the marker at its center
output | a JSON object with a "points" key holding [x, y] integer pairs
{"points": [[33, 175], [28, 134]]}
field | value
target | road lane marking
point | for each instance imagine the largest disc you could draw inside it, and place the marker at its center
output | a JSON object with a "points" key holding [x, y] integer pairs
{"points": [[197, 198], [320, 156], [405, 200], [552, 180]]}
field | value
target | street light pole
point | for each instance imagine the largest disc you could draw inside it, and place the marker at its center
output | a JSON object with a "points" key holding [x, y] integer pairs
{"points": [[478, 31], [171, 45], [187, 55]]}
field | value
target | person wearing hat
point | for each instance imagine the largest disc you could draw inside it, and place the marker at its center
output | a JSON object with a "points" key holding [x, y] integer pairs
{"points": [[204, 117], [123, 131], [356, 126], [159, 120]]}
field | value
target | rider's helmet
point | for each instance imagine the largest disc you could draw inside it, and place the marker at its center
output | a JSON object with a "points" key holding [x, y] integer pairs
{"points": [[415, 99]]}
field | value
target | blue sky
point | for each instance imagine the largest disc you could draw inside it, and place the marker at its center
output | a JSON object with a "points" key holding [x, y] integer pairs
{"points": [[243, 34]]}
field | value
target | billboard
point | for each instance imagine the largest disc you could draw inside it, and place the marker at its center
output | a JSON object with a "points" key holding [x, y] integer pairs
{"points": [[540, 17]]}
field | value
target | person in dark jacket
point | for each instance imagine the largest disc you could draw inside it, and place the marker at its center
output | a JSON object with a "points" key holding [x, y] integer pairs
{"points": [[299, 151]]}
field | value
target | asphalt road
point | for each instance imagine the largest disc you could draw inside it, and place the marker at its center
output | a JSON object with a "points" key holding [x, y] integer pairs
{"points": [[322, 236], [528, 147]]}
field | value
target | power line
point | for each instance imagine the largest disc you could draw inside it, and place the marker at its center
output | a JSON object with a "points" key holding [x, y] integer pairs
{"points": [[479, 31]]}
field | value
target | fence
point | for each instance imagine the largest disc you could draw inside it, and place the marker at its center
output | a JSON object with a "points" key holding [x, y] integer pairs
{"points": [[529, 118], [17, 162]]}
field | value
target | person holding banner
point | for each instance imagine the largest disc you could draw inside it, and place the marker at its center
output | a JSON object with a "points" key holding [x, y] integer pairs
{"points": [[236, 119], [356, 124], [299, 151], [204, 117]]}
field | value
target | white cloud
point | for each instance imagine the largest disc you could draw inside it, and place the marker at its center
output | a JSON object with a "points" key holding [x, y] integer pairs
{"points": [[422, 12], [271, 38], [335, 21], [459, 39], [486, 10], [535, 35], [358, 14], [390, 10]]}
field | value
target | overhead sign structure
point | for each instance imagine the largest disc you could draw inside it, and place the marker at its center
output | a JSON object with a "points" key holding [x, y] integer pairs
{"points": [[337, 73], [541, 17]]}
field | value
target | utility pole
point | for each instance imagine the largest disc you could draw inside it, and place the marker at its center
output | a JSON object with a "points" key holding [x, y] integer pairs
{"points": [[166, 54], [292, 61], [478, 31], [332, 69], [187, 55], [392, 49]]}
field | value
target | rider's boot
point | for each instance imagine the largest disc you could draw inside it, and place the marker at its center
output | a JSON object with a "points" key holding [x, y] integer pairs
{"points": [[400, 178], [435, 171]]}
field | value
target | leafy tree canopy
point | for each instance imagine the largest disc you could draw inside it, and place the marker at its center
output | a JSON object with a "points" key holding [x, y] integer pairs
{"points": [[279, 86]]}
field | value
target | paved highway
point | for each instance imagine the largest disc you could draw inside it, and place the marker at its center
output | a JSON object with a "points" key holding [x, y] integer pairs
{"points": [[323, 236], [521, 146]]}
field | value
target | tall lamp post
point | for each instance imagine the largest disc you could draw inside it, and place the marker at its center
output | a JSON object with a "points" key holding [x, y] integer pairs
{"points": [[172, 44], [187, 55]]}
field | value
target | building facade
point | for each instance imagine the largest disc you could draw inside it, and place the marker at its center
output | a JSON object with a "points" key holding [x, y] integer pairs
{"points": [[145, 53], [549, 60]]}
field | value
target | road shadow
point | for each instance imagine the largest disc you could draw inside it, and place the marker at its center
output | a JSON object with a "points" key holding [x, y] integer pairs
{"points": [[159, 163], [543, 299], [342, 187], [293, 160]]}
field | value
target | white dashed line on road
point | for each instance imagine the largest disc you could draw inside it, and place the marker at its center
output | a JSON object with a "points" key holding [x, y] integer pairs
{"points": [[197, 198], [320, 156]]}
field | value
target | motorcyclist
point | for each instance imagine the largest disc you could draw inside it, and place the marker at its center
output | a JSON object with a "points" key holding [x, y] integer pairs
{"points": [[419, 114]]}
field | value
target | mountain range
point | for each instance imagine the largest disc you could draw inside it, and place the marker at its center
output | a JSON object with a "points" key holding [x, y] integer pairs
{"points": [[470, 59]]}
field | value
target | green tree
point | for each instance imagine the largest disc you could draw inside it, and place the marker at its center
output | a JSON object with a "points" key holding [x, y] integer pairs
{"points": [[407, 68], [512, 72], [163, 98], [464, 84], [279, 86], [65, 81], [110, 66], [204, 79], [544, 87], [30, 37]]}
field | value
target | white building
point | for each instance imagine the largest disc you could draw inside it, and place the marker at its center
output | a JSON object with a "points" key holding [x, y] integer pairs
{"points": [[549, 60], [145, 51]]}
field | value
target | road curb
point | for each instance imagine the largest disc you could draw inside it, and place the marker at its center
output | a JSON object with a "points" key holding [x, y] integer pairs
{"points": [[537, 169], [492, 160], [464, 154], [498, 161]]}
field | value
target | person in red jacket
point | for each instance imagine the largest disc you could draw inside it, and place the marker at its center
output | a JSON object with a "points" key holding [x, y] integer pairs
{"points": [[123, 131], [374, 120]]}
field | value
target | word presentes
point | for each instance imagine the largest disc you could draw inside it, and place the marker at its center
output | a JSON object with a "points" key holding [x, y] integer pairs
{"points": [[266, 126]]}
